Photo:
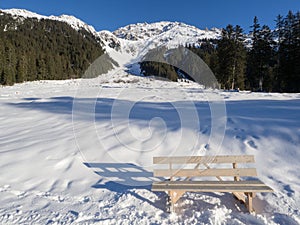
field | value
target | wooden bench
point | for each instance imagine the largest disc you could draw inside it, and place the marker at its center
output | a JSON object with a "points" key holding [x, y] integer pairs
{"points": [[181, 169]]}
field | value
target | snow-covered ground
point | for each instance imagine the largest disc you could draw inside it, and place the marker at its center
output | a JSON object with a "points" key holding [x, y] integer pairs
{"points": [[81, 151]]}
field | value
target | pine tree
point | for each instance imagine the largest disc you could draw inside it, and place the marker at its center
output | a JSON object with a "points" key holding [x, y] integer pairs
{"points": [[21, 68], [231, 58], [255, 29], [278, 33], [9, 71], [288, 76], [253, 64], [261, 61], [296, 37]]}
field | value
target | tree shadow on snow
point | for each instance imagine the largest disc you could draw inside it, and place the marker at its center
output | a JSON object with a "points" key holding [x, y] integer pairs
{"points": [[257, 112], [108, 109]]}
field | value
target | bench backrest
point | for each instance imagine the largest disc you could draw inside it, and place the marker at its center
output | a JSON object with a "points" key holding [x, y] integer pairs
{"points": [[177, 166]]}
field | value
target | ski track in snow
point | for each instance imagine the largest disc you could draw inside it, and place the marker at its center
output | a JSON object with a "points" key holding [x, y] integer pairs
{"points": [[45, 179]]}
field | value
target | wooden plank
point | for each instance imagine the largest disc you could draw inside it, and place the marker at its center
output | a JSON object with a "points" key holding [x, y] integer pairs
{"points": [[212, 183], [208, 167], [205, 172], [196, 167], [244, 189], [204, 159]]}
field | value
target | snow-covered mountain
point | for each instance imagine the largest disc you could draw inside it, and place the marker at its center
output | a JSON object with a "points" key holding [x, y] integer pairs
{"points": [[127, 45], [74, 22], [144, 31], [138, 39]]}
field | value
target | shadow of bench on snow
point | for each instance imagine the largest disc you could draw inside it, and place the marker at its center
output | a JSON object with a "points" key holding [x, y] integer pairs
{"points": [[120, 177], [127, 178]]}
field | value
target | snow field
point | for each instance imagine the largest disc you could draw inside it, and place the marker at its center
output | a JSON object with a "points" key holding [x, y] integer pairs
{"points": [[58, 167]]}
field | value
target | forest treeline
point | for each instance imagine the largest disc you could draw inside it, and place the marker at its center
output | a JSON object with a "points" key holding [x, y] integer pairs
{"points": [[32, 49], [263, 60]]}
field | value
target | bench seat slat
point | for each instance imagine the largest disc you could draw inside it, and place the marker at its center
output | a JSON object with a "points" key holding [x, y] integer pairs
{"points": [[223, 188], [204, 159], [211, 183], [205, 172]]}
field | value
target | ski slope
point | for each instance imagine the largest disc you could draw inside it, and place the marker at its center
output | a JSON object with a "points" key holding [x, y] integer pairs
{"points": [[80, 151]]}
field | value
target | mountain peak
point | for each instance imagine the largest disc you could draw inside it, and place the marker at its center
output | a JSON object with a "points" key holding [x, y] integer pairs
{"points": [[142, 31], [74, 22], [23, 13]]}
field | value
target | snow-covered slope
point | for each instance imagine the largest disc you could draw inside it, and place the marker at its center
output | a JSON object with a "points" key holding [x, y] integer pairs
{"points": [[73, 152], [23, 13], [74, 22]]}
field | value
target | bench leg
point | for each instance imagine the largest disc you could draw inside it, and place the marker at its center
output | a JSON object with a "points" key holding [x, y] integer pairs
{"points": [[250, 204], [172, 202], [174, 197]]}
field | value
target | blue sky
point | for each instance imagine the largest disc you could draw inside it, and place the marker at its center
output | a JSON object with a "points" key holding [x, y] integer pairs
{"points": [[112, 14]]}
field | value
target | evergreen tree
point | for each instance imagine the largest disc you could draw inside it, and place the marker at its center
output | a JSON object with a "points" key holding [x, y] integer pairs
{"points": [[255, 29], [207, 52], [231, 58], [9, 72], [288, 72], [296, 36], [278, 33], [21, 68], [261, 62]]}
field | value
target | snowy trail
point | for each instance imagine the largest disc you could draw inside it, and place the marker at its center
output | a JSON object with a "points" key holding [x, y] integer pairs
{"points": [[45, 179]]}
